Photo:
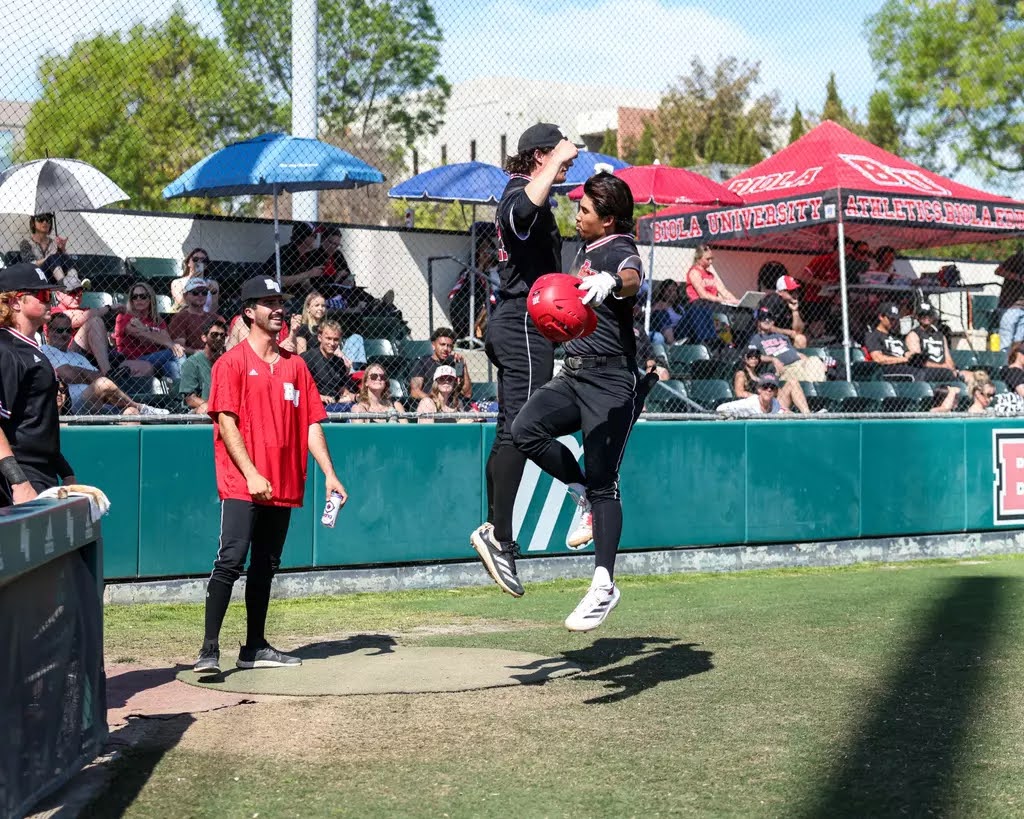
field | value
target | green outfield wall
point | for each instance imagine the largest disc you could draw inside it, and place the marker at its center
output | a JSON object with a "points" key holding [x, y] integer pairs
{"points": [[417, 491]]}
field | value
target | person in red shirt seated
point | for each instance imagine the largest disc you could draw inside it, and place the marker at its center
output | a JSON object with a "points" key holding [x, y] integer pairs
{"points": [[706, 292], [140, 333]]}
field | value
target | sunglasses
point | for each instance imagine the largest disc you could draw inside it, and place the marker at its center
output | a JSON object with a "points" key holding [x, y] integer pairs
{"points": [[771, 387], [376, 377], [214, 334], [140, 296], [198, 292], [43, 295], [447, 379], [200, 258]]}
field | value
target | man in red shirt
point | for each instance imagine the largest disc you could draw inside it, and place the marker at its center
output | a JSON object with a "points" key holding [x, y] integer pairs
{"points": [[267, 414]]}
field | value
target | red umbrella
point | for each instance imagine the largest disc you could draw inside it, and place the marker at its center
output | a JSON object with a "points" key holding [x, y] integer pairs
{"points": [[665, 185]]}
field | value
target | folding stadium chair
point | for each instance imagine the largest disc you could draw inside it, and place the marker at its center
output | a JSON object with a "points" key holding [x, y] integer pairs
{"points": [[681, 356], [837, 394], [911, 396], [709, 394], [871, 396], [668, 396]]}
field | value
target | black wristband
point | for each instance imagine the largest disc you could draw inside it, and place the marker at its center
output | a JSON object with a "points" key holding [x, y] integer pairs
{"points": [[618, 282], [11, 470]]}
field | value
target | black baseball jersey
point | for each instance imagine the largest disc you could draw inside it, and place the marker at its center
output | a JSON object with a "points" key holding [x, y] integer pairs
{"points": [[888, 343], [529, 244], [28, 402], [933, 343], [614, 334]]}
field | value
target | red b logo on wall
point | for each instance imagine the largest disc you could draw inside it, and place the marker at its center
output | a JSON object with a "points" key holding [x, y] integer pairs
{"points": [[1008, 462]]}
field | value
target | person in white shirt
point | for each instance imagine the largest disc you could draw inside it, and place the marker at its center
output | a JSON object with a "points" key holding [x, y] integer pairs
{"points": [[765, 402], [88, 390]]}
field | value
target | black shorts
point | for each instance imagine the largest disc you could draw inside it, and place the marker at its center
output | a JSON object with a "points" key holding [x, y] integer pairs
{"points": [[524, 358]]}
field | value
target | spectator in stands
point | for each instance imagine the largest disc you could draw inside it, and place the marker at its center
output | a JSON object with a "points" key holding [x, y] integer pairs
{"points": [[1011, 300], [885, 345], [1013, 375], [299, 260], [89, 391], [983, 394], [443, 395], [484, 276], [194, 386], [196, 266], [927, 347], [784, 305], [375, 396], [336, 276], [330, 372], [771, 343], [944, 398], [313, 309], [764, 402], [744, 381], [45, 251], [705, 291], [885, 259], [665, 312], [140, 333], [658, 364], [422, 378], [187, 325], [90, 331]]}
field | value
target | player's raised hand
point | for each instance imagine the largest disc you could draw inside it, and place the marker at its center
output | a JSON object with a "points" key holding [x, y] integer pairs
{"points": [[564, 152]]}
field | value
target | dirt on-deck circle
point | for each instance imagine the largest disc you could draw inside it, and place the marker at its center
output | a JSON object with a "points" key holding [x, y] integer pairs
{"points": [[394, 669]]}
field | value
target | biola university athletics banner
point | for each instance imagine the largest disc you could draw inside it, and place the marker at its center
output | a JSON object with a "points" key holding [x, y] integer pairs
{"points": [[797, 197]]}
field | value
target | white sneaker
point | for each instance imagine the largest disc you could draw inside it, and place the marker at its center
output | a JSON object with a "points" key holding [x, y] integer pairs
{"points": [[580, 537], [593, 608], [146, 409]]}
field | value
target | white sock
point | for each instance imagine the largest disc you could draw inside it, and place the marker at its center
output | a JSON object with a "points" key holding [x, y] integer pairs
{"points": [[601, 577], [577, 489]]}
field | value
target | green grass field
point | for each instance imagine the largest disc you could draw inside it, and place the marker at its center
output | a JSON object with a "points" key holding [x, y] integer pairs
{"points": [[876, 691]]}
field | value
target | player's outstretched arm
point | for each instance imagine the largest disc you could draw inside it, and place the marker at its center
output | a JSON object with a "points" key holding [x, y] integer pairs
{"points": [[322, 456]]}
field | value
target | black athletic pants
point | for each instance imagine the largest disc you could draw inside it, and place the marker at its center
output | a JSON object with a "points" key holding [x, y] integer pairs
{"points": [[525, 361], [603, 402], [245, 525]]}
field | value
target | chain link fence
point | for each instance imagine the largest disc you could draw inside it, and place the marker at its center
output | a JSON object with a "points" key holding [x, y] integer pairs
{"points": [[900, 293]]}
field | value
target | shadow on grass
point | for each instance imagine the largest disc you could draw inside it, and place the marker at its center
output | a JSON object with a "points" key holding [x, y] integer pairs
{"points": [[652, 660], [904, 759], [130, 773]]}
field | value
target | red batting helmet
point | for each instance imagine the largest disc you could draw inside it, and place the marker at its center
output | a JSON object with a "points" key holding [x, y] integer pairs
{"points": [[555, 307]]}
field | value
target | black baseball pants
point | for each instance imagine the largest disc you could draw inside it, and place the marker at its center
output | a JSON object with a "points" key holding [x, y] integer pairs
{"points": [[525, 361], [604, 402], [245, 527]]}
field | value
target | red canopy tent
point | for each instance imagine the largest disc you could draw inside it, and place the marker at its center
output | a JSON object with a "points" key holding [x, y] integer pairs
{"points": [[829, 185]]}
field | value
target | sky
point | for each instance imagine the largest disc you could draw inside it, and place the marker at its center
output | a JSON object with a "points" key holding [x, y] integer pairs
{"points": [[645, 44]]}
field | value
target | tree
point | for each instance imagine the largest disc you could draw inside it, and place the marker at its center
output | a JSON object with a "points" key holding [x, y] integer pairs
{"points": [[955, 69], [883, 130], [797, 124], [377, 63], [834, 109], [645, 147], [712, 105], [682, 150], [144, 106], [610, 143]]}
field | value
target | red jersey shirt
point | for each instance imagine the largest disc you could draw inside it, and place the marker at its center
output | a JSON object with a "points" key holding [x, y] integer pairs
{"points": [[275, 410]]}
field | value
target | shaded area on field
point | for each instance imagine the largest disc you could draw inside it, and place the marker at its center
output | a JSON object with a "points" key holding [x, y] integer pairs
{"points": [[904, 759], [651, 661]]}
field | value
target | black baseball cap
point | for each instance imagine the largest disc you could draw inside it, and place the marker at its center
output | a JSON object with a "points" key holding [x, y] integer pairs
{"points": [[925, 309], [768, 380], [25, 276], [889, 310], [763, 314], [303, 230], [543, 136], [751, 352], [260, 287]]}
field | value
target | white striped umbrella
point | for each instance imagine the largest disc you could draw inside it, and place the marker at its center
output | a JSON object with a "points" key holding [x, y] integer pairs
{"points": [[50, 185]]}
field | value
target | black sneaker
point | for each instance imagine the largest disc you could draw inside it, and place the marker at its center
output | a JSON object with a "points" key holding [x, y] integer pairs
{"points": [[499, 559], [266, 657], [208, 662]]}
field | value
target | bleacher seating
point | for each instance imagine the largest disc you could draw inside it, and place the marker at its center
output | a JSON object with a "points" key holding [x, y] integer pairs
{"points": [[709, 394], [983, 311], [11, 257], [668, 396], [1001, 387], [965, 359], [682, 356], [151, 267], [989, 361], [911, 396], [837, 394]]}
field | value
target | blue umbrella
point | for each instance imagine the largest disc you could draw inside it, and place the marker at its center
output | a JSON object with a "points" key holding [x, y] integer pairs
{"points": [[269, 164], [583, 167], [472, 183]]}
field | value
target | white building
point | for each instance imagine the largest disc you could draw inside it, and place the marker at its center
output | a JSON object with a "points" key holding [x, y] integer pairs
{"points": [[485, 117]]}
